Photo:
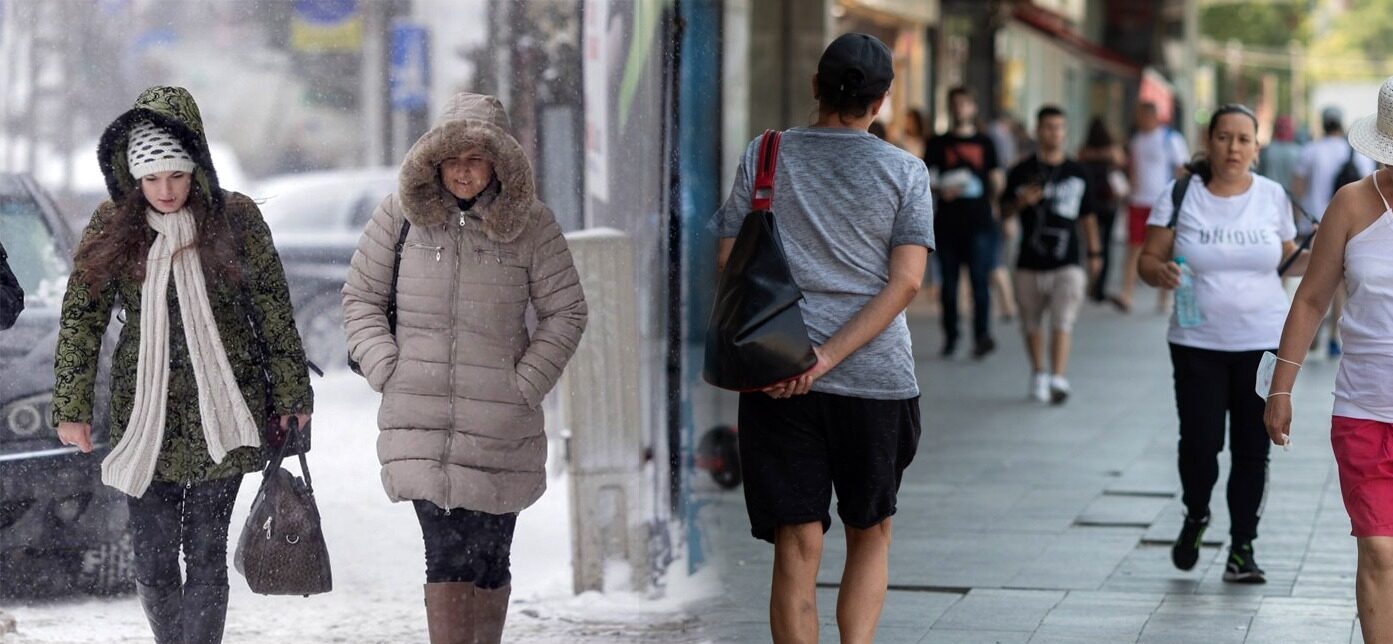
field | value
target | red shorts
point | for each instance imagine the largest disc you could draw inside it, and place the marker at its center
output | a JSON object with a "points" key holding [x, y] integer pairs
{"points": [[1364, 454], [1136, 224]]}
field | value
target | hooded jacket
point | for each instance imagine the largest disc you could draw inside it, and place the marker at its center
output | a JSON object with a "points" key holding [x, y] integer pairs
{"points": [[86, 312], [462, 378]]}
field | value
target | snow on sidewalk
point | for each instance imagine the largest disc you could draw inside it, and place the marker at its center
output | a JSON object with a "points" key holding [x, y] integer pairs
{"points": [[379, 566]]}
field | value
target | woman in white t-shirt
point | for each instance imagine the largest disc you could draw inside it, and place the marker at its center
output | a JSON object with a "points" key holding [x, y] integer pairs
{"points": [[1353, 248], [1233, 229]]}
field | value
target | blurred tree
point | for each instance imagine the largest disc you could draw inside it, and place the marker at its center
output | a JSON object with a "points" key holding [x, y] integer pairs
{"points": [[1257, 24], [1357, 44]]}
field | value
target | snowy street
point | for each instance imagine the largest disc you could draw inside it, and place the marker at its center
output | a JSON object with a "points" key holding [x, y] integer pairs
{"points": [[376, 550]]}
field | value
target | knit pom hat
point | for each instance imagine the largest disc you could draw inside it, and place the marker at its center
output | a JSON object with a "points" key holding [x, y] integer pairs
{"points": [[151, 149]]}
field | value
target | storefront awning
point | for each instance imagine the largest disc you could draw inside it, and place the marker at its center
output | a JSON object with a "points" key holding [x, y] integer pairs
{"points": [[1058, 29]]}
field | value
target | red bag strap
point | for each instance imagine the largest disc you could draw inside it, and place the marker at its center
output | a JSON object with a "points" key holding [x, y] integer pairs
{"points": [[762, 197]]}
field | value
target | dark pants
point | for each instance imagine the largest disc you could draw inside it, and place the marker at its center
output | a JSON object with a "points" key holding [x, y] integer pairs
{"points": [[466, 545], [977, 249], [1210, 386], [1106, 220], [170, 517]]}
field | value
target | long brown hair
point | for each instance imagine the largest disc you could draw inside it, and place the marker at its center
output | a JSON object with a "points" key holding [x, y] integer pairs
{"points": [[120, 250]]}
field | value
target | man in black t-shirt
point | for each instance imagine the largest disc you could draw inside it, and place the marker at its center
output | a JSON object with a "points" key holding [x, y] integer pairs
{"points": [[966, 177], [1051, 195]]}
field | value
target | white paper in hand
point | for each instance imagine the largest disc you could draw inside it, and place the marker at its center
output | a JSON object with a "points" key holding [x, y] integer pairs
{"points": [[1266, 367]]}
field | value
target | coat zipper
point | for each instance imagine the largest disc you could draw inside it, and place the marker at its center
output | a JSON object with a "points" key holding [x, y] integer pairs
{"points": [[437, 249], [454, 297]]}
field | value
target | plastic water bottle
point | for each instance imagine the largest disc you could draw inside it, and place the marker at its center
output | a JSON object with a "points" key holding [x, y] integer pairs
{"points": [[1187, 310]]}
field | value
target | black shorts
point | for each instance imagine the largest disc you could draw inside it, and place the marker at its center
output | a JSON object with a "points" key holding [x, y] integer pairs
{"points": [[795, 451]]}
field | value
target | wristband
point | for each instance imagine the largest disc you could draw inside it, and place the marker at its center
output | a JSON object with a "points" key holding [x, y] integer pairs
{"points": [[1281, 359], [1279, 393]]}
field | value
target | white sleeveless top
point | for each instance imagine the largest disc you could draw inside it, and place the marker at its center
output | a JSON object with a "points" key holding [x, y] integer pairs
{"points": [[1364, 386]]}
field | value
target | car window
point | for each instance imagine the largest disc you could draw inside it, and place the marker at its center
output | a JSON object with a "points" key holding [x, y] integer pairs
{"points": [[303, 208], [29, 241]]}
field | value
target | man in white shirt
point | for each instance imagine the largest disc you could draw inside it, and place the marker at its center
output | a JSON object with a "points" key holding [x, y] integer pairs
{"points": [[1158, 154], [1313, 182]]}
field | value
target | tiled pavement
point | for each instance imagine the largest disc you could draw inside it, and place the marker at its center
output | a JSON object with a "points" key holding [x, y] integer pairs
{"points": [[1020, 523]]}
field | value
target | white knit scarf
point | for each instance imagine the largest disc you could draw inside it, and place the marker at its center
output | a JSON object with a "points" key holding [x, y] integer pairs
{"points": [[227, 422]]}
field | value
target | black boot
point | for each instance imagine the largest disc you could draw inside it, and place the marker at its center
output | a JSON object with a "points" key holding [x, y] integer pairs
{"points": [[205, 612], [163, 607]]}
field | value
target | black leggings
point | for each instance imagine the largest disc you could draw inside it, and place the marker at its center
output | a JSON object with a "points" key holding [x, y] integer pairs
{"points": [[195, 517], [465, 545], [1210, 385]]}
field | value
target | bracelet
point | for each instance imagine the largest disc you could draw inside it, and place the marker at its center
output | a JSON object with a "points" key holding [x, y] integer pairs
{"points": [[1281, 359], [1279, 393]]}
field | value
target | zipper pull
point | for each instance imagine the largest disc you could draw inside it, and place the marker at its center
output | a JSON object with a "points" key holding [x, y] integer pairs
{"points": [[437, 254], [461, 218]]}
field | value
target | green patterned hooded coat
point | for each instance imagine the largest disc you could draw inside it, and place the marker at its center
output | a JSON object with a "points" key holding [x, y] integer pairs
{"points": [[184, 454]]}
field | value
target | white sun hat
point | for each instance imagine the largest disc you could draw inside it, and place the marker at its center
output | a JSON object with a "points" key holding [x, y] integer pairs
{"points": [[1372, 135]]}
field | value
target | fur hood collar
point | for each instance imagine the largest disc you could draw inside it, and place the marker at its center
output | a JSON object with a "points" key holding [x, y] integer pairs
{"points": [[173, 109], [469, 121]]}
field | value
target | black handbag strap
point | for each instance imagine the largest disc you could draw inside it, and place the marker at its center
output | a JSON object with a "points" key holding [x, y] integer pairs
{"points": [[396, 271], [1182, 184], [293, 435], [762, 197]]}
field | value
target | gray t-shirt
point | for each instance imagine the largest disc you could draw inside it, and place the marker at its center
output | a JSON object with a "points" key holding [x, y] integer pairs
{"points": [[842, 199]]}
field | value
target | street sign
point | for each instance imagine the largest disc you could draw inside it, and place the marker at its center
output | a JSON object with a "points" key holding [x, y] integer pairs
{"points": [[326, 26], [408, 67]]}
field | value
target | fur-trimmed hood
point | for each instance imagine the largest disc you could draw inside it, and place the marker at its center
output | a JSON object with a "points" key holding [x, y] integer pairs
{"points": [[469, 121], [173, 109]]}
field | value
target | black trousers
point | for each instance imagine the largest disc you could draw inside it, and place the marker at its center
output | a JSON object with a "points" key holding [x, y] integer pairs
{"points": [[1211, 387], [1106, 220], [170, 516], [977, 249], [466, 545]]}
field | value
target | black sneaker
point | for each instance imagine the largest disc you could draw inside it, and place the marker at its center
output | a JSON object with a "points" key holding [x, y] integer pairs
{"points": [[983, 346], [950, 347], [1241, 567], [1186, 550]]}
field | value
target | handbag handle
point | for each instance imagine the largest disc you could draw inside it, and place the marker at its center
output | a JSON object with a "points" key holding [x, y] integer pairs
{"points": [[292, 435], [762, 197]]}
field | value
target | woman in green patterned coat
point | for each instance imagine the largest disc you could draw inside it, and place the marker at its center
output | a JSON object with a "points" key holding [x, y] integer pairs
{"points": [[193, 269]]}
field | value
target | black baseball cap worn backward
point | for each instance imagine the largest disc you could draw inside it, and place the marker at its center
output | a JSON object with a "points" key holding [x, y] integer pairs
{"points": [[856, 65]]}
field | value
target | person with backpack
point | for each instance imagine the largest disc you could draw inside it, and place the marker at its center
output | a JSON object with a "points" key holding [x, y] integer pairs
{"points": [[1352, 248], [435, 308], [1049, 193], [1232, 229], [199, 281], [11, 294], [856, 219], [1325, 166], [1158, 154]]}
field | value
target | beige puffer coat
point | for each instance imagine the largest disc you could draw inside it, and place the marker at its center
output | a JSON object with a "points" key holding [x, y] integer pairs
{"points": [[462, 379]]}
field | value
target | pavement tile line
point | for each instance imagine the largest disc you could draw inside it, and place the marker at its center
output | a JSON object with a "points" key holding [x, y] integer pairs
{"points": [[909, 588]]}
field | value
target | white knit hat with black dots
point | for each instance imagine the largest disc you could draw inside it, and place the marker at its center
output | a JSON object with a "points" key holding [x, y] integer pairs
{"points": [[151, 148]]}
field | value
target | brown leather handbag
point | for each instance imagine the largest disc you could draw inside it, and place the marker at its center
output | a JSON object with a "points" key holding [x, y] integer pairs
{"points": [[282, 550]]}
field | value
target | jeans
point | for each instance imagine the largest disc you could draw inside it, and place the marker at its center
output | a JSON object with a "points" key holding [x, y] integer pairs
{"points": [[170, 517], [1211, 387], [466, 545], [977, 249]]}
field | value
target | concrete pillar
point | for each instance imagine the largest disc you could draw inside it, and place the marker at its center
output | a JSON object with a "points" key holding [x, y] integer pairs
{"points": [[599, 394]]}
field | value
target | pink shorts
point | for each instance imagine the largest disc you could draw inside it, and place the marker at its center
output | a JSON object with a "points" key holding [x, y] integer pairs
{"points": [[1364, 454], [1136, 224]]}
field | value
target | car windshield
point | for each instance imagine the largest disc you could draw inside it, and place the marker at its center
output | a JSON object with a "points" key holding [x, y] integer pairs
{"points": [[291, 207], [29, 242]]}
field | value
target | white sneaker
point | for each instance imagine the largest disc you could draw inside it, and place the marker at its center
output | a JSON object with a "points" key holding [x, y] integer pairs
{"points": [[1040, 387], [1059, 389]]}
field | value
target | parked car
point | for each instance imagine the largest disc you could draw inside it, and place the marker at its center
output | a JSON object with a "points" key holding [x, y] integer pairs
{"points": [[316, 220], [61, 529]]}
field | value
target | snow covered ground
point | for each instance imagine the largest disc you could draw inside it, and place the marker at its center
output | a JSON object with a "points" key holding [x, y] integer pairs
{"points": [[376, 551]]}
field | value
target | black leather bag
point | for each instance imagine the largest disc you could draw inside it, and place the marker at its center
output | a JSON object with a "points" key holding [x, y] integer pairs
{"points": [[757, 337], [282, 550]]}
